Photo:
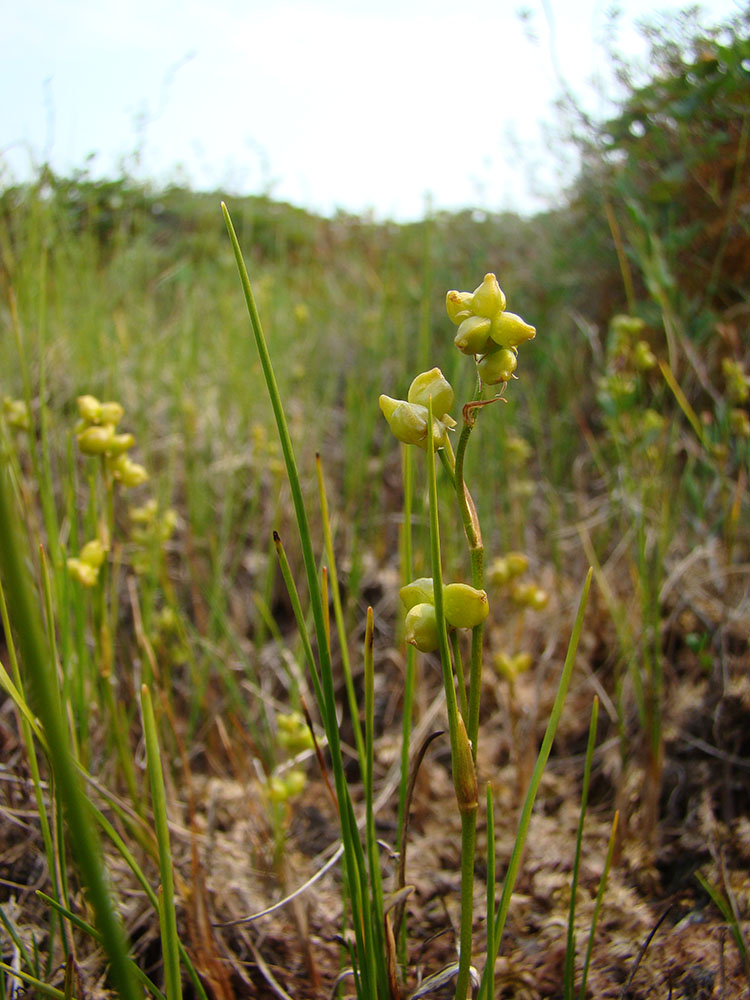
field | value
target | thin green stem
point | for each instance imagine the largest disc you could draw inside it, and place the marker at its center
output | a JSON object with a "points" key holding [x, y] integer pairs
{"points": [[468, 819], [541, 763], [491, 876], [569, 973], [598, 906], [338, 613], [45, 699], [455, 640], [167, 914]]}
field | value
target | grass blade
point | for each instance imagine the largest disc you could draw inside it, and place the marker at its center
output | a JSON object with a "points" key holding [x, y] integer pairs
{"points": [[45, 700], [167, 915]]}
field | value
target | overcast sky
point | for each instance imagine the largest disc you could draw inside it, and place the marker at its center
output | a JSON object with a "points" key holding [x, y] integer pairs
{"points": [[326, 103]]}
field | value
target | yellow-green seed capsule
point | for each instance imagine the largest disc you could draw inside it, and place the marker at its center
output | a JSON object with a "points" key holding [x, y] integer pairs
{"points": [[737, 381], [120, 443], [111, 413], [432, 384], [294, 782], [464, 606], [473, 335], [144, 514], [419, 591], [408, 421], [464, 770], [277, 790], [510, 667], [489, 299], [739, 422], [17, 414], [293, 734], [83, 572], [518, 562], [626, 326], [497, 366], [127, 472], [93, 553], [421, 628], [290, 722], [498, 572], [458, 305], [644, 358], [96, 439], [530, 595], [90, 409], [509, 330]]}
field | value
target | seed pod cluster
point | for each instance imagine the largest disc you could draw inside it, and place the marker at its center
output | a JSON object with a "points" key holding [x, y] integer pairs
{"points": [[487, 331], [96, 435], [463, 606]]}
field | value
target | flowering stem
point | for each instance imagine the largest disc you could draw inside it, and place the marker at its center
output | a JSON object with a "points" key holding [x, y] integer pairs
{"points": [[468, 818], [476, 551]]}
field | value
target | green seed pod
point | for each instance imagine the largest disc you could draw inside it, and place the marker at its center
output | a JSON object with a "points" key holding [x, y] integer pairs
{"points": [[290, 722], [293, 734], [111, 413], [489, 299], [464, 771], [419, 591], [530, 595], [473, 335], [739, 422], [432, 383], [408, 421], [277, 790], [17, 414], [458, 305], [421, 628], [145, 514], [83, 572], [509, 330], [294, 782], [93, 553], [497, 366], [518, 562], [510, 667], [626, 326], [90, 409], [464, 606], [644, 358], [127, 472], [120, 443], [96, 439]]}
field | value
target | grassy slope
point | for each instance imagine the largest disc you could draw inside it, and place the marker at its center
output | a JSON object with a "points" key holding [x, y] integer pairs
{"points": [[133, 295]]}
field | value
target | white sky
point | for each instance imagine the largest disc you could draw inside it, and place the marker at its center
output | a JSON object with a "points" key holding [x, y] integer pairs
{"points": [[326, 103]]}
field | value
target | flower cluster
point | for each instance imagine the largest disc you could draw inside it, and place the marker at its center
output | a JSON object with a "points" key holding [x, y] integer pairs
{"points": [[738, 391], [408, 417], [151, 529], [84, 568], [486, 331], [294, 737], [16, 413], [627, 347], [505, 571], [463, 607], [96, 435]]}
